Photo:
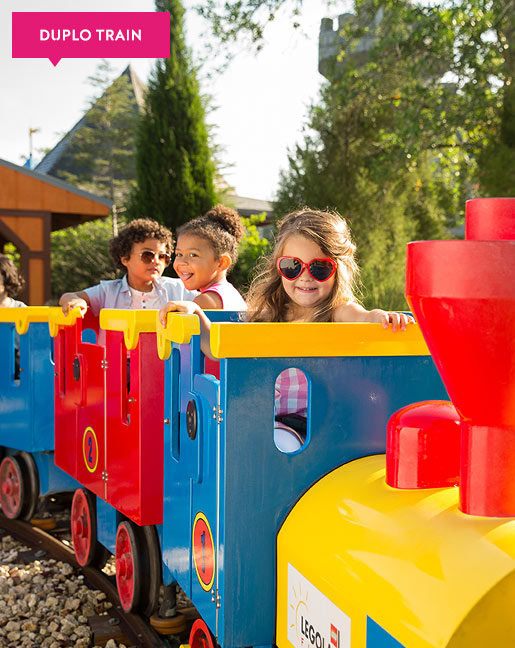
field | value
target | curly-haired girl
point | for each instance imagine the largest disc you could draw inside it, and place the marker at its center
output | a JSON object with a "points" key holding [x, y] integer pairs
{"points": [[206, 250]]}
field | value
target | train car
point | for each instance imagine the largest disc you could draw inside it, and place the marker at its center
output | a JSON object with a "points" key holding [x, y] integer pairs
{"points": [[109, 431], [27, 470], [226, 487]]}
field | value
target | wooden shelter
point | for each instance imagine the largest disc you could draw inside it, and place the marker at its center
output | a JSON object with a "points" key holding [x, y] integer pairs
{"points": [[32, 205]]}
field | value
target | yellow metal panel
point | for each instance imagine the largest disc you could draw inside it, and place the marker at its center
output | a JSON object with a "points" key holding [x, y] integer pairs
{"points": [[179, 329], [131, 322], [22, 317], [408, 559], [283, 339], [57, 318]]}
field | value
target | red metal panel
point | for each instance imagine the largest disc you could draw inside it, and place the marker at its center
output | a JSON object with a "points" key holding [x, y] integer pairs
{"points": [[134, 430], [79, 405]]}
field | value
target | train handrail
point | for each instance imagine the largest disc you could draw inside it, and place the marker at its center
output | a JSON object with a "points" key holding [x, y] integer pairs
{"points": [[130, 322], [313, 339], [23, 317], [57, 318], [179, 329]]}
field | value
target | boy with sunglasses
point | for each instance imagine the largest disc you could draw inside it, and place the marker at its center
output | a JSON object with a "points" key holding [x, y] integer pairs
{"points": [[142, 250]]}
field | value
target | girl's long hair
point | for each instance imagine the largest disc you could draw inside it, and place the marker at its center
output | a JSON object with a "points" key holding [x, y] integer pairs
{"points": [[267, 300]]}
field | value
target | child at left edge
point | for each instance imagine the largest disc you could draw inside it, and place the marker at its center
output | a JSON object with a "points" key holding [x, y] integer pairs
{"points": [[10, 283]]}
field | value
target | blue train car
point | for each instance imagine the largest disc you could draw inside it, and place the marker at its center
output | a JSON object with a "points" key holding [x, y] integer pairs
{"points": [[27, 470], [228, 488]]}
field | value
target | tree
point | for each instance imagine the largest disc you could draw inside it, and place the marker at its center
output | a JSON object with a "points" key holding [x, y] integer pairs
{"points": [[251, 248], [378, 148], [174, 169], [473, 41], [100, 156], [80, 257]]}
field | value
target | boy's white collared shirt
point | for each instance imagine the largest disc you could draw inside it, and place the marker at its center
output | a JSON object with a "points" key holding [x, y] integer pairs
{"points": [[116, 293]]}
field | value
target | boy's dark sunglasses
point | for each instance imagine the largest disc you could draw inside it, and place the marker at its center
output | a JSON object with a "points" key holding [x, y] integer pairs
{"points": [[319, 269], [148, 257]]}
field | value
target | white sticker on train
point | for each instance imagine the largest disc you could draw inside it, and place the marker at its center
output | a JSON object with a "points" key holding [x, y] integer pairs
{"points": [[313, 620]]}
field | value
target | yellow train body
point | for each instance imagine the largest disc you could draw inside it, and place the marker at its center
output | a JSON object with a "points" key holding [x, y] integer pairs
{"points": [[362, 565]]}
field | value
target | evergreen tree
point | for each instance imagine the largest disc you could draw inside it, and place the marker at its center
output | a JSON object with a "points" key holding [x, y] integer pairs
{"points": [[100, 155], [174, 169]]}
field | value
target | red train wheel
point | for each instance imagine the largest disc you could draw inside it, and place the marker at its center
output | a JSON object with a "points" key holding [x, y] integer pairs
{"points": [[12, 488], [129, 575], [200, 637], [19, 486], [88, 550]]}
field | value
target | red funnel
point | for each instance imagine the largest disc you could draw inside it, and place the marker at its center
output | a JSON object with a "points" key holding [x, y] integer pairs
{"points": [[490, 219], [462, 294]]}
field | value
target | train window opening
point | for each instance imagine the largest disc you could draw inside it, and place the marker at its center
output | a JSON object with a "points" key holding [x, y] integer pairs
{"points": [[17, 357], [89, 336], [291, 410], [174, 419]]}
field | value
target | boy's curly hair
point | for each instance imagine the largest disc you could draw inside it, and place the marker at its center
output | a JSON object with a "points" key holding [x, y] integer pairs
{"points": [[13, 282], [221, 226], [137, 231]]}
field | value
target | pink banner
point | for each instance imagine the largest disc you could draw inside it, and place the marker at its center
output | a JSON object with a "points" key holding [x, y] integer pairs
{"points": [[56, 35]]}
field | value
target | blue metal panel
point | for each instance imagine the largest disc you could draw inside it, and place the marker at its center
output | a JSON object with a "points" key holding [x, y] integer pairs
{"points": [[351, 400], [27, 404], [377, 637], [261, 484], [182, 456], [51, 478], [107, 524]]}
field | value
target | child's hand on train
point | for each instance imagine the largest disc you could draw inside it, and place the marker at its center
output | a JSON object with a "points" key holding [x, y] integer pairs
{"points": [[177, 306], [74, 302], [398, 321]]}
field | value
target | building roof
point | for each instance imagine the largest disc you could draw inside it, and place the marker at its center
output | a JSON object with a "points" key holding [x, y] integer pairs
{"points": [[248, 206], [52, 163], [23, 189]]}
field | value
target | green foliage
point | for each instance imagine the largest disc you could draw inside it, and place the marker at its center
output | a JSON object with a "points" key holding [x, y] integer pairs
{"points": [[10, 250], [100, 157], [80, 257], [245, 18], [251, 248], [174, 169], [396, 150]]}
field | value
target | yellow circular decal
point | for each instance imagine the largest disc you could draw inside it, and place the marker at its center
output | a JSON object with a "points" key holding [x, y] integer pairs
{"points": [[203, 551], [90, 449]]}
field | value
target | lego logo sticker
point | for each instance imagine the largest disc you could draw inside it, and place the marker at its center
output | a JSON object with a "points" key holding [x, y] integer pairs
{"points": [[313, 620], [61, 34]]}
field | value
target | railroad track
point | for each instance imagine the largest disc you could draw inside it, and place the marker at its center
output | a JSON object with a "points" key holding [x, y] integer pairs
{"points": [[130, 629]]}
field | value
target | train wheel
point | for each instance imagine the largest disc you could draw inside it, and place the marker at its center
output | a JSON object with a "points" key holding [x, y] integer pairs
{"points": [[83, 517], [151, 570], [129, 576], [31, 479], [200, 637], [19, 487]]}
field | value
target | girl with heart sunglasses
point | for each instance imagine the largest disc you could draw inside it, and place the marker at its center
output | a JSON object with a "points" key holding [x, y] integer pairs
{"points": [[311, 275]]}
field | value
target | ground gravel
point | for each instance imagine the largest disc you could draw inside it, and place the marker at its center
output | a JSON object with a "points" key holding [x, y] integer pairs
{"points": [[45, 603]]}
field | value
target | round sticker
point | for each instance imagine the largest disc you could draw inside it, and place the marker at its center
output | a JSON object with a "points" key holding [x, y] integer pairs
{"points": [[90, 449], [203, 551]]}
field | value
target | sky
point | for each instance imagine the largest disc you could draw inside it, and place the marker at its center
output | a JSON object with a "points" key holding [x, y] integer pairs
{"points": [[261, 99]]}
